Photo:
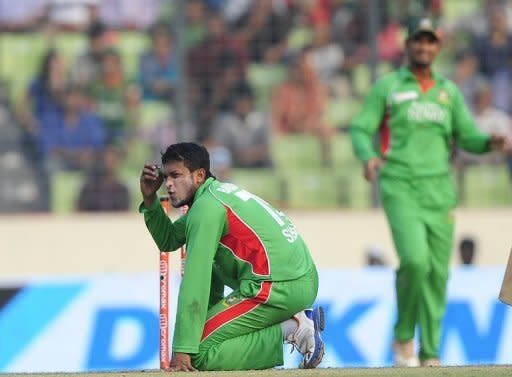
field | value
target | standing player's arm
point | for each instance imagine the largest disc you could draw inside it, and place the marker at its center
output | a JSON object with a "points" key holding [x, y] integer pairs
{"points": [[205, 226], [166, 234], [465, 131], [367, 122]]}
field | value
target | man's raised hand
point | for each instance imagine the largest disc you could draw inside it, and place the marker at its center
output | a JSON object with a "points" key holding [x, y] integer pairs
{"points": [[150, 182]]}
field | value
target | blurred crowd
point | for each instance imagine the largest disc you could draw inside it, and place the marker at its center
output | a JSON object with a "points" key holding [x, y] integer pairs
{"points": [[256, 71]]}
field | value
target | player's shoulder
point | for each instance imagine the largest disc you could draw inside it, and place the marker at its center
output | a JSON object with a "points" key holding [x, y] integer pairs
{"points": [[386, 82], [222, 191], [448, 85], [388, 79], [207, 204]]}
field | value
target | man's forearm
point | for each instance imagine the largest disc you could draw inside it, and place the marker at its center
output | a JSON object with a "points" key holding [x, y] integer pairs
{"points": [[148, 202]]}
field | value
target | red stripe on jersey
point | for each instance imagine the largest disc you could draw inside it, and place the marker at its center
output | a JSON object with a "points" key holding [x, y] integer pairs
{"points": [[385, 134], [245, 244], [237, 310]]}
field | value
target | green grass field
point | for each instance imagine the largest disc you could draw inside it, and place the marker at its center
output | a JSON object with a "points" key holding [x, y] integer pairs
{"points": [[472, 371]]}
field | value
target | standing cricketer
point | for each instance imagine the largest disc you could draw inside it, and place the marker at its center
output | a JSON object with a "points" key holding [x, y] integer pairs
{"points": [[233, 238], [419, 114]]}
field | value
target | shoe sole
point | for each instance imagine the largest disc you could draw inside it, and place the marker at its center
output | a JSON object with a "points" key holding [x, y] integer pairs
{"points": [[319, 321]]}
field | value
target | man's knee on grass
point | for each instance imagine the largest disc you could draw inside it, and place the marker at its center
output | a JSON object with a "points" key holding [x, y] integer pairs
{"points": [[210, 358]]}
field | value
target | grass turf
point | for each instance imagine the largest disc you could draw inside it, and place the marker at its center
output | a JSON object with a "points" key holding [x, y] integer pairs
{"points": [[469, 371]]}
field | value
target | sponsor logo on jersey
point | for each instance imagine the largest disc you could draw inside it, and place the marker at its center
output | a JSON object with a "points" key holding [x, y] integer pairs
{"points": [[426, 112], [443, 97], [231, 300], [400, 97]]}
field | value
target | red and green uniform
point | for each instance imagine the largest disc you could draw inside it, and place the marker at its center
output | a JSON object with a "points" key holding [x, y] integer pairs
{"points": [[417, 125], [236, 239]]}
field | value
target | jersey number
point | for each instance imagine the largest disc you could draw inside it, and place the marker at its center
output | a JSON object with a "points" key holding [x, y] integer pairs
{"points": [[288, 231]]}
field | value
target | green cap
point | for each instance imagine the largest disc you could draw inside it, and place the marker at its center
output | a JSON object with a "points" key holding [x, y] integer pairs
{"points": [[422, 26]]}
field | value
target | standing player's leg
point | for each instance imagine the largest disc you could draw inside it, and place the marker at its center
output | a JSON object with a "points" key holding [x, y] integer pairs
{"points": [[433, 304], [244, 330], [409, 233]]}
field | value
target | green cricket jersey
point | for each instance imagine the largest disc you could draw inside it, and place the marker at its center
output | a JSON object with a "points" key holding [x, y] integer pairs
{"points": [[231, 236], [416, 128]]}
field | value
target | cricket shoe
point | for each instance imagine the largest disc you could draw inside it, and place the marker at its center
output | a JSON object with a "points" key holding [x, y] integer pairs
{"points": [[307, 339], [434, 362], [404, 356]]}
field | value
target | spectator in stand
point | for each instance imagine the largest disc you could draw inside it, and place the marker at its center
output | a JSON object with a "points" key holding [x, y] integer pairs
{"points": [[466, 76], [263, 30], [87, 68], [467, 251], [158, 67], [299, 104], [221, 160], [45, 94], [374, 256], [327, 56], [244, 132], [495, 53], [205, 62], [317, 12], [23, 15], [102, 190], [223, 91], [489, 119], [350, 30], [115, 100], [130, 14], [196, 23], [390, 42], [70, 138]]}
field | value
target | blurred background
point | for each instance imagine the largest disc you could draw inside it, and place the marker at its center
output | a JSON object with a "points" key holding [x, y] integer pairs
{"points": [[90, 90]]}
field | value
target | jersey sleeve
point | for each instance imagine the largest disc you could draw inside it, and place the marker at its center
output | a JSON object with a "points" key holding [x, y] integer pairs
{"points": [[167, 235], [367, 122], [465, 131], [205, 226], [216, 289]]}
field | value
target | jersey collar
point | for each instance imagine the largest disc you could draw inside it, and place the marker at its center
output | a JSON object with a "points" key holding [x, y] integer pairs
{"points": [[203, 187], [406, 74]]}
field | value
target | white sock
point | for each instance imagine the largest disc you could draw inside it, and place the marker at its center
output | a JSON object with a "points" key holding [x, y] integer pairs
{"points": [[289, 327]]}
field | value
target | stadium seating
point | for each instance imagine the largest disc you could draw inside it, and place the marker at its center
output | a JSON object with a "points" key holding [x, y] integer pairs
{"points": [[339, 113], [262, 79], [154, 112], [65, 189], [296, 152], [20, 57], [313, 189], [265, 183], [342, 155], [486, 186], [70, 45], [130, 46]]}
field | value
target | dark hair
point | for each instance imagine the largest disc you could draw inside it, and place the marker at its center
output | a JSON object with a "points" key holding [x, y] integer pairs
{"points": [[96, 30], [243, 91], [467, 243], [160, 28], [194, 156]]}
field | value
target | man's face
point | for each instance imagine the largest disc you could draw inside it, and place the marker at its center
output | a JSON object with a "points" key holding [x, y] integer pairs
{"points": [[422, 50], [162, 44], [181, 183]]}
